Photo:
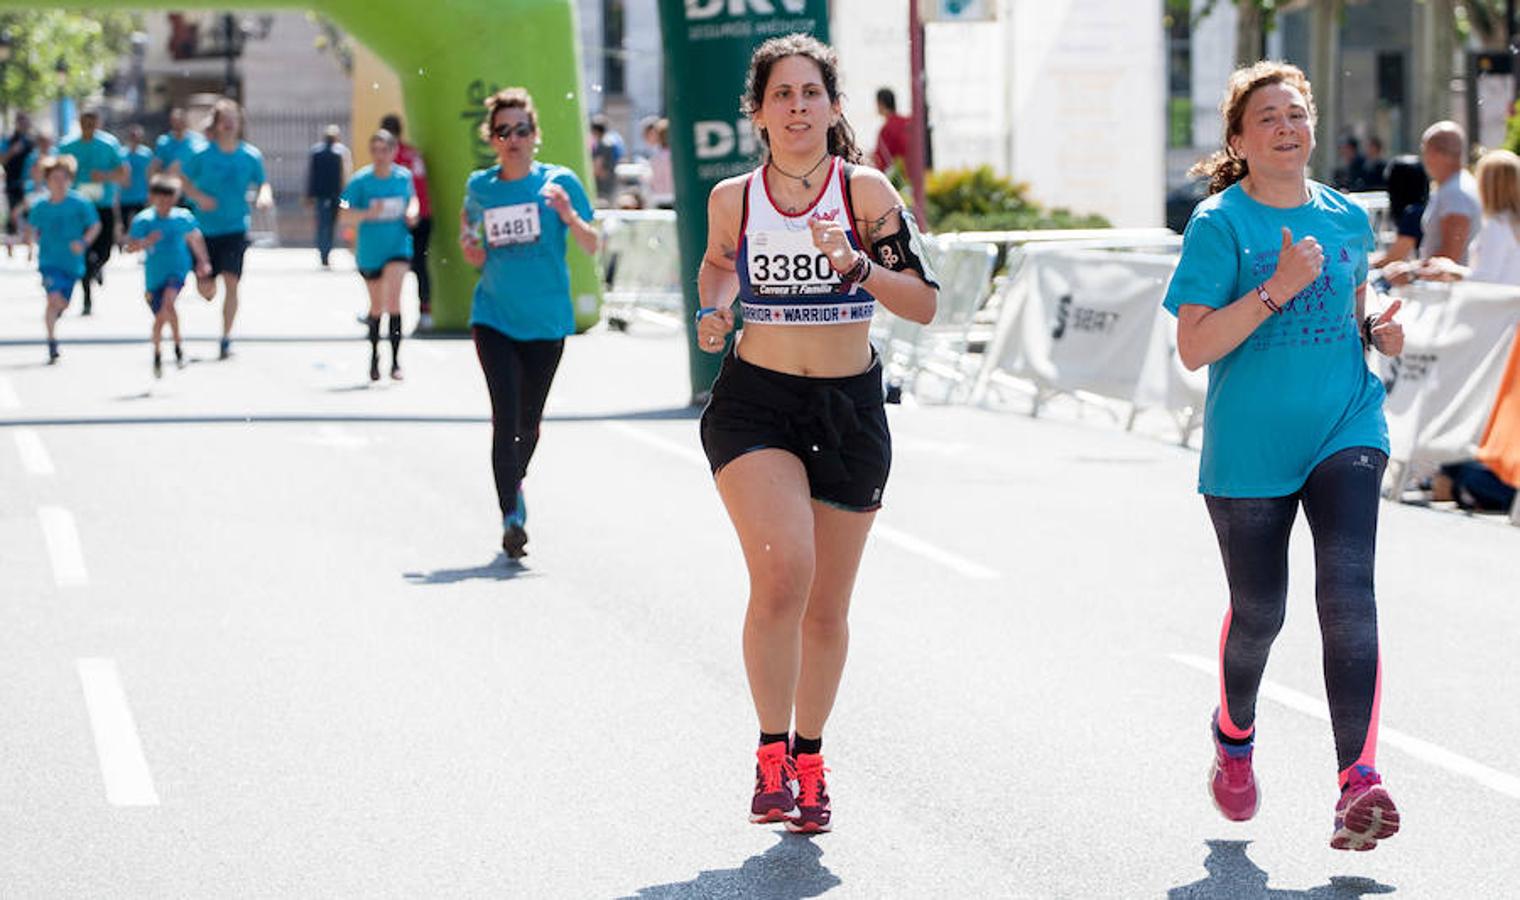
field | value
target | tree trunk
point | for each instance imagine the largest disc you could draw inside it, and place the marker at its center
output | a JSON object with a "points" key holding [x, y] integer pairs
{"points": [[1248, 32]]}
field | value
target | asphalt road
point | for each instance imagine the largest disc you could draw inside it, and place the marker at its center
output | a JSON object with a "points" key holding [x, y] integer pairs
{"points": [[258, 640]]}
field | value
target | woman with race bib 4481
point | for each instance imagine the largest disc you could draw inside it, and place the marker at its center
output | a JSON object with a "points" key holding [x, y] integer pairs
{"points": [[517, 216], [796, 431]]}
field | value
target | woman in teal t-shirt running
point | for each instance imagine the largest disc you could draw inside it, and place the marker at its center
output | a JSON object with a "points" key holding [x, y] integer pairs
{"points": [[517, 219], [1270, 295]]}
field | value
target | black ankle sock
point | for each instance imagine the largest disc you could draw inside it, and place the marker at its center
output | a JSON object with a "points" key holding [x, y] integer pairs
{"points": [[179, 352], [374, 334], [801, 745], [772, 738], [1234, 742], [393, 328]]}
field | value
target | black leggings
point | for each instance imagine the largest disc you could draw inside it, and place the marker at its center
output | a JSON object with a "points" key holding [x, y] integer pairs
{"points": [[1340, 500], [518, 375], [100, 249], [422, 233]]}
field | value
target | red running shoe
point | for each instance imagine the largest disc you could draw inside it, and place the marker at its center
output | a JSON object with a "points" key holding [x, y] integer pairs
{"points": [[1365, 813], [1232, 783], [813, 811], [773, 801]]}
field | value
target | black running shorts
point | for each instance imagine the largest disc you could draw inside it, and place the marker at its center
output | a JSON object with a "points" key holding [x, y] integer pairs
{"points": [[226, 252], [836, 426]]}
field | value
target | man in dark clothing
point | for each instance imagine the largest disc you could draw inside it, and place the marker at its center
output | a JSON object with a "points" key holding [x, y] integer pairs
{"points": [[329, 169], [1352, 174], [14, 151], [410, 158]]}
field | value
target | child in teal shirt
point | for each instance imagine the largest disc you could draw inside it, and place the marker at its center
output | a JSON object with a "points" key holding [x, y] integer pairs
{"points": [[63, 224], [170, 235]]}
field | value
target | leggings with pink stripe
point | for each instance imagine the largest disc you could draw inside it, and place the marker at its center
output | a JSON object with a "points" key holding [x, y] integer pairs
{"points": [[1340, 500]]}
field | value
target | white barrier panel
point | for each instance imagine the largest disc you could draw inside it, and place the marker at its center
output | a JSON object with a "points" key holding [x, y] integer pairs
{"points": [[1082, 320], [1442, 387]]}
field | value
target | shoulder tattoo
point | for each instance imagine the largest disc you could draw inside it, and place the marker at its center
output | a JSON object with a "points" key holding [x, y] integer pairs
{"points": [[874, 227]]}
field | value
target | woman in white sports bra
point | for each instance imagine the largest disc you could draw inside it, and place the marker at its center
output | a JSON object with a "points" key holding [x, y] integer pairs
{"points": [[796, 432]]}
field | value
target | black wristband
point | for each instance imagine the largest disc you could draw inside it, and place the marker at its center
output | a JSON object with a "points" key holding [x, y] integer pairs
{"points": [[1367, 331]]}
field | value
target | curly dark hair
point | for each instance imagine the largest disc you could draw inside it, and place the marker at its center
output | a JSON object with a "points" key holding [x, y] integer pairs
{"points": [[1224, 168], [841, 135]]}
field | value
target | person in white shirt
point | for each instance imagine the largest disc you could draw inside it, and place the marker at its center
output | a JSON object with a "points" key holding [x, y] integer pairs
{"points": [[1495, 252]]}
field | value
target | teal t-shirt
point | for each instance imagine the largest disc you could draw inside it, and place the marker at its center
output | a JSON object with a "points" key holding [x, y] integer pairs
{"points": [[227, 178], [381, 240], [168, 259], [524, 288], [59, 225], [101, 153], [1298, 389], [169, 149], [138, 160]]}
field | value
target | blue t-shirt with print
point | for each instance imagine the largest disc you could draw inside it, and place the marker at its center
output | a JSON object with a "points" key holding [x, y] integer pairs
{"points": [[226, 178], [1298, 389], [169, 258], [101, 153], [59, 225], [524, 288], [138, 160], [380, 240], [169, 149]]}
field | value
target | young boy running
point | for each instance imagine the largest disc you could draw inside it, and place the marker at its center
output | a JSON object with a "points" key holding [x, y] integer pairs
{"points": [[169, 233], [63, 224]]}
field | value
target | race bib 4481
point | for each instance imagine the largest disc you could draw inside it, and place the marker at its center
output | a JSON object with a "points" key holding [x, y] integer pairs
{"points": [[515, 224]]}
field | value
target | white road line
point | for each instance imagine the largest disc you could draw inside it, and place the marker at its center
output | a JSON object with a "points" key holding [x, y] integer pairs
{"points": [[688, 453], [911, 544], [34, 455], [63, 546], [1419, 748], [336, 436], [901, 540], [122, 764], [8, 398]]}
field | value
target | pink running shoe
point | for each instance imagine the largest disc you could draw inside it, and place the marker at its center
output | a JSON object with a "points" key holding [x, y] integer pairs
{"points": [[773, 801], [813, 811], [1365, 813], [1232, 783]]}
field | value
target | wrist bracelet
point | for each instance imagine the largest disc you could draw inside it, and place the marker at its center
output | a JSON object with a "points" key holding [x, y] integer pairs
{"points": [[856, 272], [705, 311], [1261, 292], [1367, 341]]}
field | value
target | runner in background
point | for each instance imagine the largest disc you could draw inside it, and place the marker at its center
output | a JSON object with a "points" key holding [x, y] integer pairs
{"points": [[218, 180], [516, 220], [410, 158], [380, 202], [134, 194], [64, 225], [173, 243], [102, 171]]}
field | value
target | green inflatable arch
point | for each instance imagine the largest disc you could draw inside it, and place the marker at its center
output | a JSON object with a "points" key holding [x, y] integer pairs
{"points": [[449, 57]]}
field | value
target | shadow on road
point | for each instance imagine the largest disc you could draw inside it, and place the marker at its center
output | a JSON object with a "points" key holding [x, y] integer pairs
{"points": [[499, 569], [1232, 876], [788, 871]]}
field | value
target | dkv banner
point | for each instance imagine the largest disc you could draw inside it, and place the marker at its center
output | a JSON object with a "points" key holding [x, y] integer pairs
{"points": [[708, 44]]}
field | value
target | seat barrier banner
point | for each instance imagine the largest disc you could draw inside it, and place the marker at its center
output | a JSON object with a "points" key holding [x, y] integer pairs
{"points": [[1441, 389], [1084, 320]]}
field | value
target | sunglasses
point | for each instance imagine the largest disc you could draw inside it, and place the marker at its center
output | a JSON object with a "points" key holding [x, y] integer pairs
{"points": [[506, 131]]}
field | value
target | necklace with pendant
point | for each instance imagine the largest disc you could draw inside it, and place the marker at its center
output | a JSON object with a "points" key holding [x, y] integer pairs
{"points": [[805, 176]]}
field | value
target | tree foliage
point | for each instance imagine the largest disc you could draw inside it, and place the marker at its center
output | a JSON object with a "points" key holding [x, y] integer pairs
{"points": [[88, 48]]}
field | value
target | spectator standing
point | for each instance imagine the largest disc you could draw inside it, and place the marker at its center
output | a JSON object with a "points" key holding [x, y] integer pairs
{"points": [[420, 226], [15, 149], [326, 173], [606, 153], [892, 139], [102, 170], [1454, 211], [662, 186]]}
